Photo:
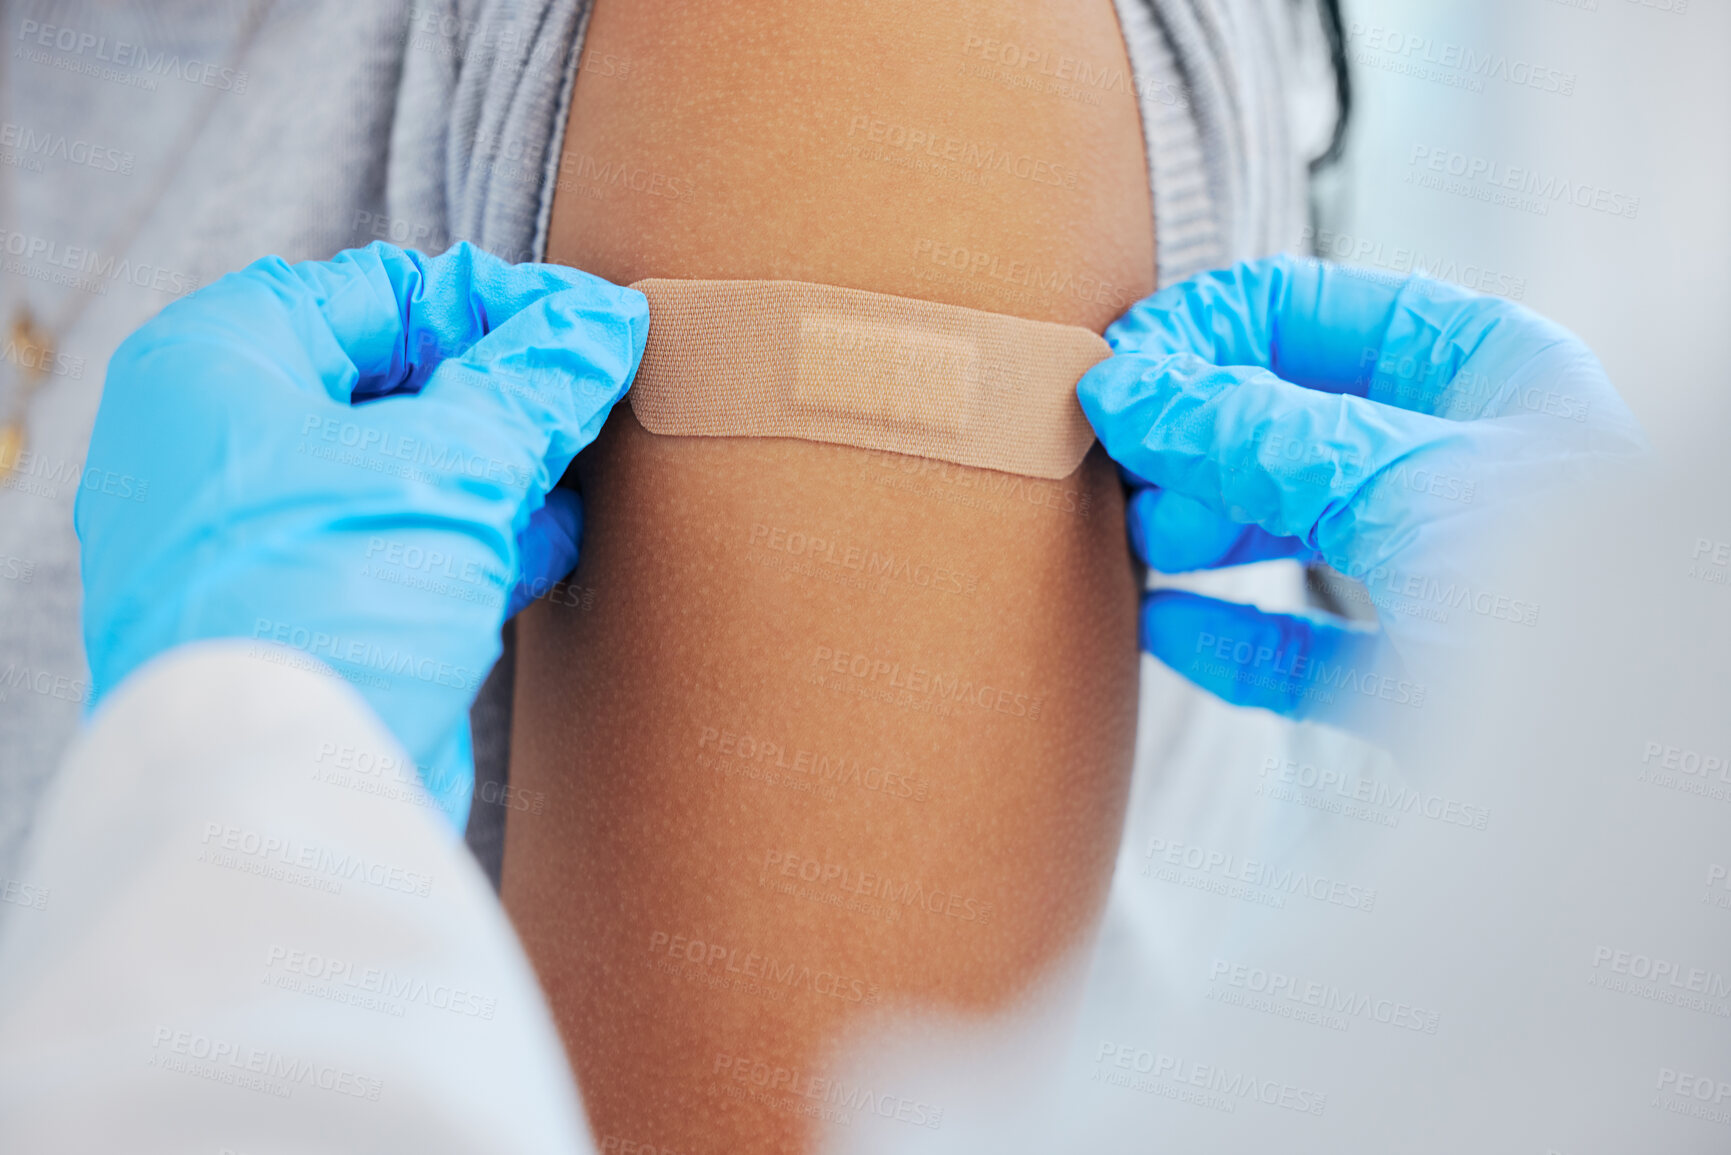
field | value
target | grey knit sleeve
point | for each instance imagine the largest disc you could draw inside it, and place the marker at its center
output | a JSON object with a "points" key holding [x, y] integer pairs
{"points": [[486, 98], [1228, 90]]}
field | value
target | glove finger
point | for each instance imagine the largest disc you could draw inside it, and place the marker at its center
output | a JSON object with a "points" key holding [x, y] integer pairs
{"points": [[536, 390], [1415, 343], [1176, 534], [367, 323], [1261, 451], [547, 548], [1293, 666], [396, 314]]}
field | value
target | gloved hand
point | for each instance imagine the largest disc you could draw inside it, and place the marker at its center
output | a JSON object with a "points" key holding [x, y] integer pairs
{"points": [[353, 458], [1289, 408]]}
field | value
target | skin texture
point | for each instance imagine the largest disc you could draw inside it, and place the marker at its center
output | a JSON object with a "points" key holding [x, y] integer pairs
{"points": [[827, 737]]}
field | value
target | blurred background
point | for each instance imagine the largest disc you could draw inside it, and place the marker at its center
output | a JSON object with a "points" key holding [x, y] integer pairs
{"points": [[1520, 942], [1629, 99], [1557, 979]]}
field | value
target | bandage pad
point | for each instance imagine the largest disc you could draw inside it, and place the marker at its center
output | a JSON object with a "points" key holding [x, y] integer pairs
{"points": [[870, 370]]}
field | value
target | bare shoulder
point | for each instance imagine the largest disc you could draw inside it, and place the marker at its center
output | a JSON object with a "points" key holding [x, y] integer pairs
{"points": [[983, 154]]}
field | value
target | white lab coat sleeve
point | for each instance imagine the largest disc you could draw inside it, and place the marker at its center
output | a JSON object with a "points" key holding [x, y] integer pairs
{"points": [[242, 927]]}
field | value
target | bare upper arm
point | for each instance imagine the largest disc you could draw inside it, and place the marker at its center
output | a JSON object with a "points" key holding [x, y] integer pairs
{"points": [[688, 721]]}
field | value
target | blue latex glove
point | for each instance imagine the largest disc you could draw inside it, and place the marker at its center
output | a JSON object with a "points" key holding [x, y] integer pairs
{"points": [[1289, 408], [354, 458]]}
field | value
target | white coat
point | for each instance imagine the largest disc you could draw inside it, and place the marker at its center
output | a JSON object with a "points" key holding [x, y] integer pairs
{"points": [[244, 929]]}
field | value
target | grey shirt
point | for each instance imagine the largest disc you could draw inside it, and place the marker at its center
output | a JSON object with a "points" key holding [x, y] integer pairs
{"points": [[147, 148]]}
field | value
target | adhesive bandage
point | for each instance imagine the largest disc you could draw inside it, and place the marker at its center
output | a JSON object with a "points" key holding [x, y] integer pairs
{"points": [[850, 367]]}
